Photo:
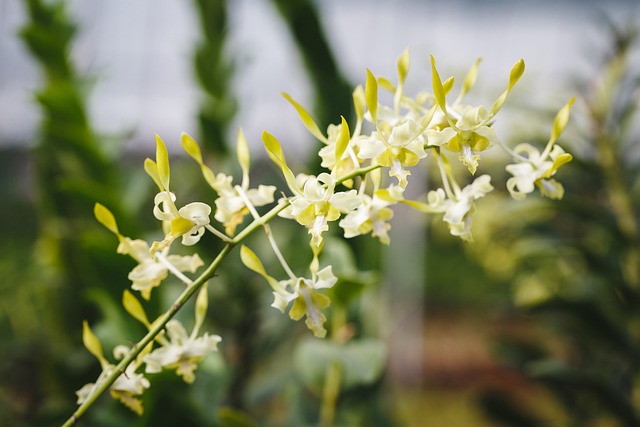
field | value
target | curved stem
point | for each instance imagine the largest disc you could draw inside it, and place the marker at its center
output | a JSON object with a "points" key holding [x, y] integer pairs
{"points": [[158, 326], [330, 394], [191, 289], [357, 172], [267, 231], [333, 374], [512, 153], [173, 269], [217, 233], [444, 176]]}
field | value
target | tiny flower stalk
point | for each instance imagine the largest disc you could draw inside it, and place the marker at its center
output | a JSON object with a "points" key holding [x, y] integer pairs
{"points": [[367, 173], [334, 374]]}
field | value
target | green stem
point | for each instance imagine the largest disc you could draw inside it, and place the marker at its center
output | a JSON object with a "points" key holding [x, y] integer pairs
{"points": [[267, 231], [169, 314], [358, 172], [333, 375], [330, 394], [186, 295]]}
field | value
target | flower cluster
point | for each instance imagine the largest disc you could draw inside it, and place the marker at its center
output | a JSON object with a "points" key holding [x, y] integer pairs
{"points": [[367, 171], [403, 135], [128, 384]]}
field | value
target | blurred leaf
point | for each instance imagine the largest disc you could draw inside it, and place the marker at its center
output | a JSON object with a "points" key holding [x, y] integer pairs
{"points": [[596, 323], [332, 93], [507, 411], [202, 303], [253, 263], [371, 93], [602, 390], [343, 139], [470, 79], [306, 118], [214, 68], [516, 72], [352, 282], [134, 308], [162, 163], [243, 154], [560, 121], [361, 362], [438, 89], [92, 343], [403, 66], [106, 218], [274, 150], [229, 417]]}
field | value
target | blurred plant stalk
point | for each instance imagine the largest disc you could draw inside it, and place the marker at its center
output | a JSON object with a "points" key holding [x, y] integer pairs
{"points": [[603, 105]]}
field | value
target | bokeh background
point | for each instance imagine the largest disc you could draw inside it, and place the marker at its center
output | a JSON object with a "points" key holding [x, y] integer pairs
{"points": [[534, 324]]}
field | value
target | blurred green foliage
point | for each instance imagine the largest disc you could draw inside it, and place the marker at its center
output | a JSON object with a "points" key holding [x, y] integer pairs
{"points": [[574, 265], [214, 70], [62, 267], [331, 90]]}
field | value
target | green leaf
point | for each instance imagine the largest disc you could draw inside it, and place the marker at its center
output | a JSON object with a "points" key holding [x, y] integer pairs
{"points": [[359, 102], [191, 147], [202, 303], [92, 344], [253, 263], [352, 282], [350, 288], [244, 158], [448, 85], [361, 362], [106, 218], [274, 150], [516, 72], [426, 119], [134, 308], [209, 176], [385, 84], [438, 89], [311, 360], [498, 103], [365, 361], [306, 118], [162, 162], [341, 257], [371, 94], [470, 78], [403, 67], [229, 417], [561, 120], [559, 161], [151, 168], [343, 139]]}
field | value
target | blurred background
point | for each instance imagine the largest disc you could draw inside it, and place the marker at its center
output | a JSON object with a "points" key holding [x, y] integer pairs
{"points": [[534, 324]]}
